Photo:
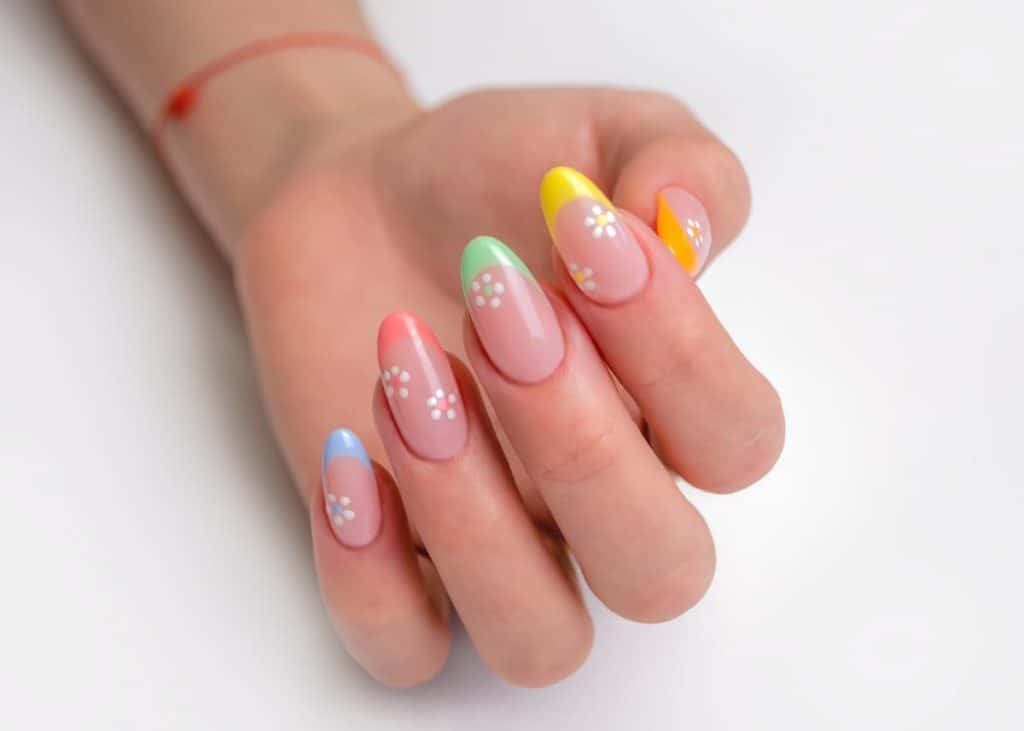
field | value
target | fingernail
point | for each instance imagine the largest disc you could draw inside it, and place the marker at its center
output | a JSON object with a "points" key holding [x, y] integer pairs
{"points": [[351, 498], [684, 227], [510, 311], [420, 387], [600, 252]]}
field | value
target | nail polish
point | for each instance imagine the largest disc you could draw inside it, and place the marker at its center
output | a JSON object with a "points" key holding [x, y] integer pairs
{"points": [[512, 316], [684, 227], [420, 388], [351, 498], [599, 250]]}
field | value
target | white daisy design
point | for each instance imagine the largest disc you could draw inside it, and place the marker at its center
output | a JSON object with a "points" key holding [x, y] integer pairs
{"points": [[395, 380], [601, 223], [337, 508], [695, 232], [442, 405], [486, 291], [584, 277]]}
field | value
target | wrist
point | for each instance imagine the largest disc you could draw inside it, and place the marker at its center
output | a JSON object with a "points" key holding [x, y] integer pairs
{"points": [[257, 122]]}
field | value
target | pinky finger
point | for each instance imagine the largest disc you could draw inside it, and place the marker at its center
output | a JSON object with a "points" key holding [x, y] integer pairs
{"points": [[370, 576]]}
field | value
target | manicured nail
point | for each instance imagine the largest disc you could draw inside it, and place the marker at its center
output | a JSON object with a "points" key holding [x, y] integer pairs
{"points": [[420, 387], [350, 490], [510, 311], [600, 252], [684, 227]]}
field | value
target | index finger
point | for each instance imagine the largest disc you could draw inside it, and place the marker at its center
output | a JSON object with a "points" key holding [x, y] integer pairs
{"points": [[716, 419]]}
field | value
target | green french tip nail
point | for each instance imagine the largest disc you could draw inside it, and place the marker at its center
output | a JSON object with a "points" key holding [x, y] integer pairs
{"points": [[487, 251]]}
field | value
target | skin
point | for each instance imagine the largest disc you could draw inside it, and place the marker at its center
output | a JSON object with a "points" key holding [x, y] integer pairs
{"points": [[335, 209]]}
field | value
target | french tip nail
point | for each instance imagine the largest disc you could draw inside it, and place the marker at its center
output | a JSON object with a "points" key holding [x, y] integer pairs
{"points": [[420, 388], [400, 324], [562, 185], [483, 241], [473, 250], [344, 443], [485, 251], [510, 311], [351, 497], [682, 225]]}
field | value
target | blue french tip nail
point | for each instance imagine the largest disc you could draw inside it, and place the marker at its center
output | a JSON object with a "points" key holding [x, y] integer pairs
{"points": [[344, 443]]}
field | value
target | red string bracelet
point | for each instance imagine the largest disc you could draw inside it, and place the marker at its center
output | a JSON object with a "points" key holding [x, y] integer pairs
{"points": [[183, 98]]}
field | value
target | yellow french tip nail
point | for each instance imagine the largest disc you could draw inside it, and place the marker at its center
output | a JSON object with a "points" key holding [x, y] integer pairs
{"points": [[563, 185], [670, 230]]}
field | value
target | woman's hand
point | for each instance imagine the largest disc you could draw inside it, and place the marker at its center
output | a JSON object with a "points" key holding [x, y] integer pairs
{"points": [[541, 453], [339, 201]]}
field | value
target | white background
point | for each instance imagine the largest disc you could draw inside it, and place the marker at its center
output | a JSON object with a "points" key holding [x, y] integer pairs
{"points": [[154, 561]]}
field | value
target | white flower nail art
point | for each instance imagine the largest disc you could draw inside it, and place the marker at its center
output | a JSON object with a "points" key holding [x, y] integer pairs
{"points": [[584, 277], [395, 380], [695, 232], [601, 223], [486, 291], [337, 508], [442, 405]]}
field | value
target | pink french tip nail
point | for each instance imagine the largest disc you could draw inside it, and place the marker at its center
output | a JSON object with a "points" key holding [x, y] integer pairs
{"points": [[601, 253], [420, 388], [515, 322], [351, 498]]}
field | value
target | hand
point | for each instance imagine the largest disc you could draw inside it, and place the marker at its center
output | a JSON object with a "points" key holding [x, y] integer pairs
{"points": [[371, 223]]}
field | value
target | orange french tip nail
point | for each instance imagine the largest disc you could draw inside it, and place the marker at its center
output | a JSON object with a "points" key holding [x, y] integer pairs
{"points": [[671, 232]]}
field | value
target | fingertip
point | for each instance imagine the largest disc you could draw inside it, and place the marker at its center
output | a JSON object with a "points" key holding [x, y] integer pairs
{"points": [[756, 450], [675, 592], [567, 650], [698, 168]]}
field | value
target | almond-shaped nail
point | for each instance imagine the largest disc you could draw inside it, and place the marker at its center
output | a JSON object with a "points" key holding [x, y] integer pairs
{"points": [[684, 227], [351, 498], [600, 252], [420, 388], [516, 323]]}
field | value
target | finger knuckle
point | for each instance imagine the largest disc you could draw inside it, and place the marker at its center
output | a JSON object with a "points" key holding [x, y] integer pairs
{"points": [[682, 357], [581, 456]]}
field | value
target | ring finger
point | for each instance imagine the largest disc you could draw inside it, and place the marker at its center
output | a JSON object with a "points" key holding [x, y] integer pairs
{"points": [[522, 611]]}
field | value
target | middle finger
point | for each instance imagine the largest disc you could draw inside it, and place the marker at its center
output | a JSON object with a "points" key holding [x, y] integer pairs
{"points": [[644, 550]]}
